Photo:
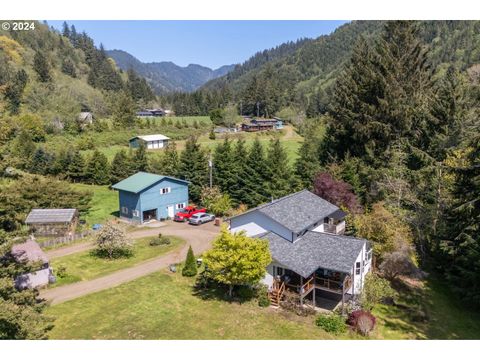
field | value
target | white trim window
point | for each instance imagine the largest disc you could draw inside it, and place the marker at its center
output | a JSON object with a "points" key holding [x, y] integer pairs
{"points": [[166, 190], [125, 210], [135, 213], [180, 206], [357, 267]]}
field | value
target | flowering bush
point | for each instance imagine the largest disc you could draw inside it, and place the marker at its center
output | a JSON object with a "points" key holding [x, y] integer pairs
{"points": [[361, 321]]}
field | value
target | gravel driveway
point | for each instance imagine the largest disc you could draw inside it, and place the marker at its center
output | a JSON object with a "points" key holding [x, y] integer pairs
{"points": [[199, 237]]}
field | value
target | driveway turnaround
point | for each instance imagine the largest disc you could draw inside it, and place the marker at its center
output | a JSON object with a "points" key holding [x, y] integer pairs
{"points": [[200, 238]]}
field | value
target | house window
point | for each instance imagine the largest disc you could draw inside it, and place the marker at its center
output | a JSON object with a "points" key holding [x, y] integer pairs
{"points": [[166, 190], [357, 268], [369, 255], [180, 206], [124, 210], [136, 213], [279, 271]]}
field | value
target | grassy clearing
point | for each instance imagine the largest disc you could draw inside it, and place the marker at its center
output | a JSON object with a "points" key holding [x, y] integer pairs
{"points": [[165, 306], [162, 306], [86, 266], [427, 311], [104, 204]]}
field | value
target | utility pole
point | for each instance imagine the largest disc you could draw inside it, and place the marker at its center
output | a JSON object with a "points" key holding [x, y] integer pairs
{"points": [[210, 167]]}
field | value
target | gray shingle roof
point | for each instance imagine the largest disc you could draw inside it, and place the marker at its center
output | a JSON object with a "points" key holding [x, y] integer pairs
{"points": [[315, 250], [50, 216], [299, 210], [29, 251]]}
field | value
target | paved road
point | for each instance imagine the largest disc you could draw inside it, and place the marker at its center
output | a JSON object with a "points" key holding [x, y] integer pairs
{"points": [[200, 238]]}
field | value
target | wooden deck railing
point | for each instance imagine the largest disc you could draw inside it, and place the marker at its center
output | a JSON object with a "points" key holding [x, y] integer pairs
{"points": [[307, 286]]}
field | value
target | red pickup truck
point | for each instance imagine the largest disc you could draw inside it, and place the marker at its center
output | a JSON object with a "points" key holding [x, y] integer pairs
{"points": [[186, 213]]}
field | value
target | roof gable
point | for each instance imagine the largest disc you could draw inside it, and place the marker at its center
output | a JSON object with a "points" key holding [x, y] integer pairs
{"points": [[316, 250], [142, 180], [29, 251], [50, 216], [298, 211]]}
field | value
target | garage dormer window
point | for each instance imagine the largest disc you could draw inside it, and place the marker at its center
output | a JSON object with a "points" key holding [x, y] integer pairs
{"points": [[166, 190]]}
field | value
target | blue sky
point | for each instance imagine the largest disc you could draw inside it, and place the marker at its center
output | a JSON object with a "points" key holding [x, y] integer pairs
{"points": [[208, 43]]}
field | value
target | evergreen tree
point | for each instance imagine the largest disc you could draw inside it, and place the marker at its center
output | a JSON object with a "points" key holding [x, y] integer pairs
{"points": [[14, 91], [97, 170], [239, 191], [68, 67], [41, 67], [124, 111], [382, 96], [461, 242], [190, 268], [280, 181], [75, 170], [194, 167], [223, 166], [140, 159], [120, 168], [170, 161], [256, 175], [307, 164]]}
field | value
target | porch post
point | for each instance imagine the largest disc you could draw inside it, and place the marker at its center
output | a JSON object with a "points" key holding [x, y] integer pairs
{"points": [[314, 286], [301, 287], [343, 301]]}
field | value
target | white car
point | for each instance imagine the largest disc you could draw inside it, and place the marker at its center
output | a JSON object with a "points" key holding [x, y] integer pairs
{"points": [[200, 218]]}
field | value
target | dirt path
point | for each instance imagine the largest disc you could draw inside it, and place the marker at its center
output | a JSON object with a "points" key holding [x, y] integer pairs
{"points": [[199, 238]]}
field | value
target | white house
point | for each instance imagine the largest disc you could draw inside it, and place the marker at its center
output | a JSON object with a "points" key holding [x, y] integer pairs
{"points": [[310, 253], [156, 141], [30, 253]]}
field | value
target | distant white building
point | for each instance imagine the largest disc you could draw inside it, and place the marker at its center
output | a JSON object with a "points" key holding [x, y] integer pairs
{"points": [[156, 141], [30, 253]]}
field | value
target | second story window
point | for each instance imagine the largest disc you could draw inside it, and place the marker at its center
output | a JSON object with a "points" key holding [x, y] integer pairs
{"points": [[166, 190], [357, 268]]}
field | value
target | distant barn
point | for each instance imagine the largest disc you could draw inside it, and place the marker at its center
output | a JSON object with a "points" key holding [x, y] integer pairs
{"points": [[52, 222], [156, 141]]}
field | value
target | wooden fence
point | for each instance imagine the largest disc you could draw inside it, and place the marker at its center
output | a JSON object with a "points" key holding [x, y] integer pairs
{"points": [[64, 239]]}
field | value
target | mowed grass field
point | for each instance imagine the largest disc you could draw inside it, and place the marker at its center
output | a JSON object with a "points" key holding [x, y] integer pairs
{"points": [[104, 204], [86, 266], [165, 306]]}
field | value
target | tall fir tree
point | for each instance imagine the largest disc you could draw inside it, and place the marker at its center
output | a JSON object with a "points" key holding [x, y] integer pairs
{"points": [[194, 167], [42, 67], [97, 170], [120, 167], [462, 231], [307, 164], [256, 175], [170, 162], [140, 158], [239, 191], [223, 166], [76, 167], [280, 179]]}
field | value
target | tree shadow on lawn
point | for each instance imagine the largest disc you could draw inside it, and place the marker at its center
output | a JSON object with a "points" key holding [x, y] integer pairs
{"points": [[207, 289]]}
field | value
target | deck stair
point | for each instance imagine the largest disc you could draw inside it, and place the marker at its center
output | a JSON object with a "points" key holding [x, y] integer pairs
{"points": [[276, 293]]}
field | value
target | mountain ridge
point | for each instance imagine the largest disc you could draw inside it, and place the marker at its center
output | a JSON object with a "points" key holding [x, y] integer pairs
{"points": [[166, 76]]}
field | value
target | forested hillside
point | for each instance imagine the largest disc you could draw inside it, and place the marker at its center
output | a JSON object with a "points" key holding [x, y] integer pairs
{"points": [[55, 76], [301, 75], [166, 76]]}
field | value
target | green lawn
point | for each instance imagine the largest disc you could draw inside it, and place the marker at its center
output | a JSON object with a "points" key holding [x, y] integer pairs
{"points": [[428, 312], [162, 306], [104, 203], [86, 266], [165, 306]]}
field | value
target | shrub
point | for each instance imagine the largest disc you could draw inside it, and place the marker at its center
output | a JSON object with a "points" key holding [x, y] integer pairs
{"points": [[361, 321], [160, 240], [112, 242], [331, 323], [190, 268], [375, 290], [61, 271], [245, 293], [291, 302], [262, 296]]}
